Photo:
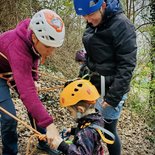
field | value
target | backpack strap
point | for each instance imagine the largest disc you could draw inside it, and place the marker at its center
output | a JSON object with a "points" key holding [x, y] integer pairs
{"points": [[102, 130]]}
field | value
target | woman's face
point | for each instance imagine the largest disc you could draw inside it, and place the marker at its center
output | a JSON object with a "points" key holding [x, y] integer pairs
{"points": [[96, 18], [43, 50]]}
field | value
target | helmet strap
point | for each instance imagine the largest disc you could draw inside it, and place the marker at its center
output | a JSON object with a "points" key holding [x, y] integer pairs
{"points": [[35, 41], [34, 50]]}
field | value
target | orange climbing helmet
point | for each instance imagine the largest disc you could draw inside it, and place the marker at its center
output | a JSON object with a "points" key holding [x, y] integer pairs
{"points": [[77, 91]]}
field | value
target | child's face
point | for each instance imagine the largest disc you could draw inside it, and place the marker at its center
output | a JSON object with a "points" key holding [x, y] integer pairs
{"points": [[73, 112]]}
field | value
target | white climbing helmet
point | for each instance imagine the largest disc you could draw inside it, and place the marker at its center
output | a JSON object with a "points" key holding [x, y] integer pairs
{"points": [[48, 28]]}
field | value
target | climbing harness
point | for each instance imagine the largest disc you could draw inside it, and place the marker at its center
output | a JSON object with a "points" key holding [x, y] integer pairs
{"points": [[98, 128], [8, 76], [10, 79], [101, 132]]}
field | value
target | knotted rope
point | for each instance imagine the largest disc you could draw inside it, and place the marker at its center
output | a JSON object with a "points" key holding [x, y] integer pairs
{"points": [[36, 134]]}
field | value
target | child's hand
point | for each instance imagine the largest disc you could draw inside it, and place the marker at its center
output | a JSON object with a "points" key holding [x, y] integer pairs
{"points": [[56, 142], [65, 134], [68, 131]]}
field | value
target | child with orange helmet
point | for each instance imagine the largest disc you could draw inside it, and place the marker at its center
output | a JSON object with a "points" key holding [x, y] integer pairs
{"points": [[79, 98]]}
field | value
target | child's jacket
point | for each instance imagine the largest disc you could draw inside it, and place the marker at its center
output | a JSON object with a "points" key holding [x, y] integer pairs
{"points": [[86, 141]]}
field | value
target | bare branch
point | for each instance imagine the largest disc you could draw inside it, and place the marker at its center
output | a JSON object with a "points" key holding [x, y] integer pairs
{"points": [[144, 24]]}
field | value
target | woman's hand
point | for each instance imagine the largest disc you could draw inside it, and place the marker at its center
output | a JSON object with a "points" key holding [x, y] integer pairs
{"points": [[51, 132]]}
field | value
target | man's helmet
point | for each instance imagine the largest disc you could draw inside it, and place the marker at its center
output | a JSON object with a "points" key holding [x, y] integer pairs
{"points": [[48, 28], [85, 7], [77, 91]]}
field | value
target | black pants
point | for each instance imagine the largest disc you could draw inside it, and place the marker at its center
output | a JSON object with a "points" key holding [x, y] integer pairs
{"points": [[114, 149]]}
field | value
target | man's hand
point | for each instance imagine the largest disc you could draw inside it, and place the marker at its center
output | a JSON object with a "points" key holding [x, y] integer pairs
{"points": [[105, 104], [51, 132]]}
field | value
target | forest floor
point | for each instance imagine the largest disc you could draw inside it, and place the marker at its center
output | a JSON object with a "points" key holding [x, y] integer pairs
{"points": [[137, 138]]}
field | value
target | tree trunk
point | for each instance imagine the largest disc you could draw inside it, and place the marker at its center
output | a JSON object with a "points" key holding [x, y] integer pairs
{"points": [[152, 56]]}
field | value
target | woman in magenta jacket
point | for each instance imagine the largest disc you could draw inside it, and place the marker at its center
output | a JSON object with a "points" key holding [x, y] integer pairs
{"points": [[20, 51]]}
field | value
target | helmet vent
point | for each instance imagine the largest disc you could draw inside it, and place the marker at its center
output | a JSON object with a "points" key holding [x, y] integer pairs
{"points": [[51, 38], [79, 85], [76, 89], [52, 26]]}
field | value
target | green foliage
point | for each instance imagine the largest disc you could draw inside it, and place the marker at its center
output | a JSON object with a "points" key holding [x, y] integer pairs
{"points": [[13, 12], [138, 102], [139, 98], [142, 84]]}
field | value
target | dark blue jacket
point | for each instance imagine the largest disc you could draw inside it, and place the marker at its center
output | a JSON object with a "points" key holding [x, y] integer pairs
{"points": [[111, 52]]}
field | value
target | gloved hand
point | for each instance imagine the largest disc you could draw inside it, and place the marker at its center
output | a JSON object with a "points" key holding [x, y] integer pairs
{"points": [[51, 132], [56, 142], [84, 72], [65, 134]]}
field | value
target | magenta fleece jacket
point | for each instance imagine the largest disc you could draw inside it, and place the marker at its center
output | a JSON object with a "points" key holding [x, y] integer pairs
{"points": [[16, 45]]}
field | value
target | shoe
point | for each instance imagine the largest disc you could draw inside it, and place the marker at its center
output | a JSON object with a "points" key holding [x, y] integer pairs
{"points": [[45, 147]]}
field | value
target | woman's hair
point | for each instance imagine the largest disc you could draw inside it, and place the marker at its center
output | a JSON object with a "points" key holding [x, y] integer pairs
{"points": [[84, 104]]}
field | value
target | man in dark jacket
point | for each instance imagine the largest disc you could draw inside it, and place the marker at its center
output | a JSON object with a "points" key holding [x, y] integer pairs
{"points": [[110, 43]]}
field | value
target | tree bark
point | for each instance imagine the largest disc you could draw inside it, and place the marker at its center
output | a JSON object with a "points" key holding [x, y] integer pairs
{"points": [[152, 56]]}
